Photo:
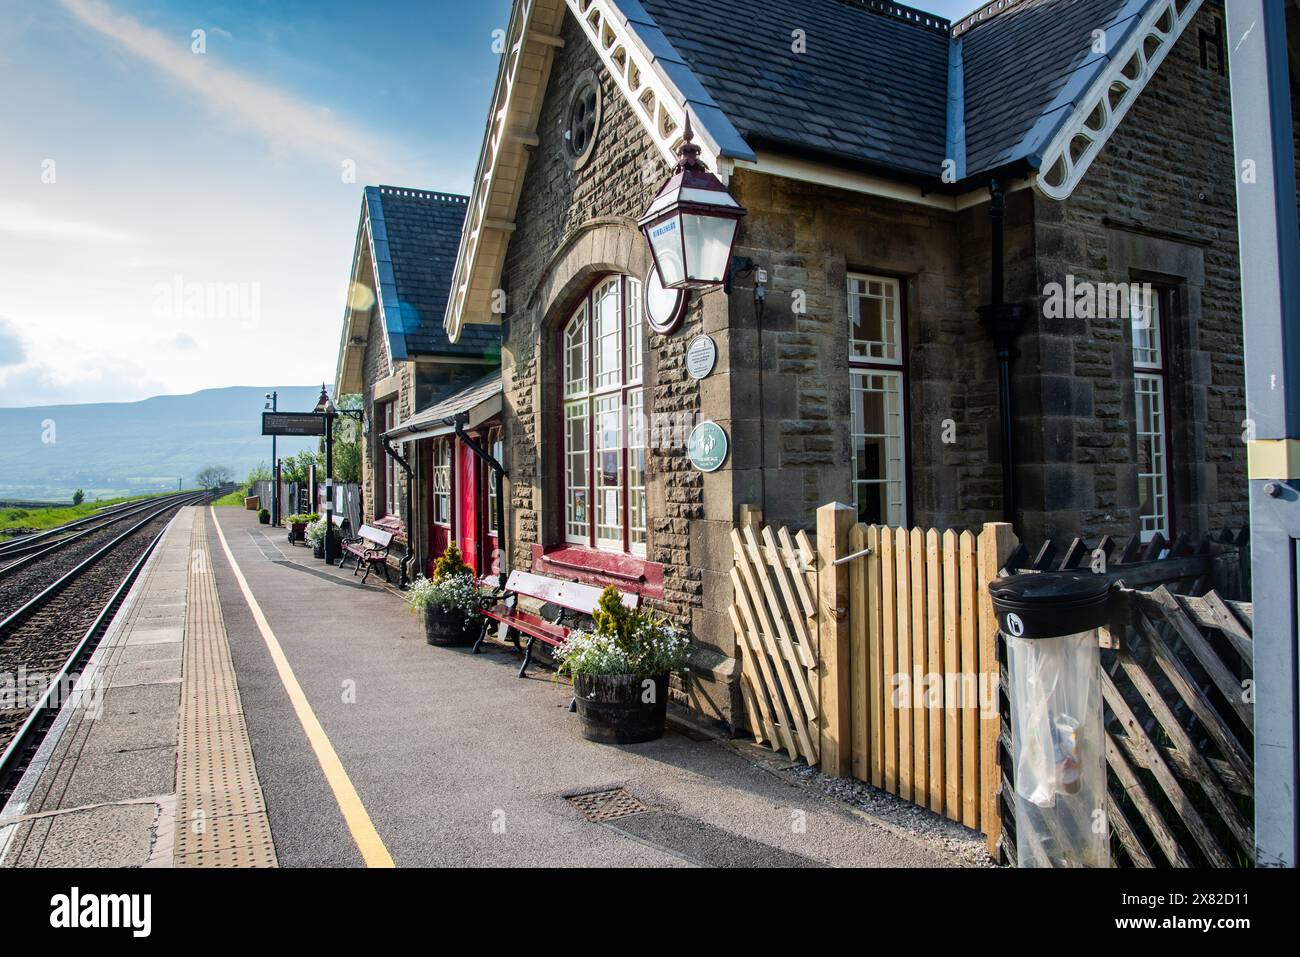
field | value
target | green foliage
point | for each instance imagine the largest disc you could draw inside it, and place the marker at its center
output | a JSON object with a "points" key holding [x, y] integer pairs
{"points": [[302, 518], [263, 514], [451, 565], [625, 642], [454, 593], [613, 618], [78, 497], [234, 499], [295, 469], [348, 444]]}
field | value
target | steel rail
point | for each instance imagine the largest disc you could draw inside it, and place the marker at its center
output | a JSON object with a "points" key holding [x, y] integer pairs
{"points": [[32, 731], [47, 594]]}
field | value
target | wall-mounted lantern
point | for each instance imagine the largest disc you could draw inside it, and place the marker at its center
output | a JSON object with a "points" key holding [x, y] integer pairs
{"points": [[691, 225]]}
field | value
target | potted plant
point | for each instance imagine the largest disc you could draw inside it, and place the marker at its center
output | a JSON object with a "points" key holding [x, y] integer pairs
{"points": [[620, 672], [264, 516], [316, 538], [449, 601], [298, 526]]}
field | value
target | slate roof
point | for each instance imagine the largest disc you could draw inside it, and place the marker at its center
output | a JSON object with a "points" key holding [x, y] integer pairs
{"points": [[430, 420], [890, 88], [415, 235]]}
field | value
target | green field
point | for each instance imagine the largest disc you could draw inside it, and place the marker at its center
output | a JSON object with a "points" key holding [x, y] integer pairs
{"points": [[235, 499], [17, 521]]}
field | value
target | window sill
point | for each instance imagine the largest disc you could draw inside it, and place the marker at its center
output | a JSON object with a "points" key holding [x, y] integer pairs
{"points": [[590, 566]]}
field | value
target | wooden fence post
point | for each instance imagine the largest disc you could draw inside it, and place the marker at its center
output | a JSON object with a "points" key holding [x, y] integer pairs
{"points": [[996, 542], [834, 522]]}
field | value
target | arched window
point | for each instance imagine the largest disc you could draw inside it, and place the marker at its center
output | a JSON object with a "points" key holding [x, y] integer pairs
{"points": [[604, 412]]}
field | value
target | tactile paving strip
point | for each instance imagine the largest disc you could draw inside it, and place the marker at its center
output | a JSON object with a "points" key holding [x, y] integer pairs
{"points": [[220, 813], [597, 806]]}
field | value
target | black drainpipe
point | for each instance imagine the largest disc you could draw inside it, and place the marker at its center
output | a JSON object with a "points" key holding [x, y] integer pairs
{"points": [[499, 475], [410, 524], [1003, 321]]}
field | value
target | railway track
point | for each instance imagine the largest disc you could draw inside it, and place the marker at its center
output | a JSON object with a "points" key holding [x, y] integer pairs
{"points": [[22, 552], [47, 639]]}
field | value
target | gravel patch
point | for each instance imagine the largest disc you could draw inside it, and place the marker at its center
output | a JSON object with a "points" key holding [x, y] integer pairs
{"points": [[938, 832]]}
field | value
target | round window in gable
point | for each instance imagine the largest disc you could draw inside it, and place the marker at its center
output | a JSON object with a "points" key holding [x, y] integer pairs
{"points": [[582, 120]]}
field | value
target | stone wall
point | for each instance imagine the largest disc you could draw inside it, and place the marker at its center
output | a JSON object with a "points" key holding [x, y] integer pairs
{"points": [[1158, 205]]}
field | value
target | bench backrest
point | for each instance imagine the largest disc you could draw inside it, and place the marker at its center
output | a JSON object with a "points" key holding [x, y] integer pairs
{"points": [[376, 536], [572, 595]]}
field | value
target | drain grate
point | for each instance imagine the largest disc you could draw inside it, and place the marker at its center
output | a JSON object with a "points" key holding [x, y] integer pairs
{"points": [[598, 806]]}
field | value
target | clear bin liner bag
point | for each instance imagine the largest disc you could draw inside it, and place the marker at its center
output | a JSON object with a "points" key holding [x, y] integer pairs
{"points": [[1059, 751]]}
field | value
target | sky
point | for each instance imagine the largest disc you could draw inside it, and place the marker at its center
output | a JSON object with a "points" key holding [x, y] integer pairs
{"points": [[180, 181]]}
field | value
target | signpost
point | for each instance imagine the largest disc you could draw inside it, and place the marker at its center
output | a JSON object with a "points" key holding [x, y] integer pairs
{"points": [[293, 423]]}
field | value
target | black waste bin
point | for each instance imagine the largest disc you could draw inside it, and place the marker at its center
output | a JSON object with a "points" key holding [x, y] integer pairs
{"points": [[1050, 621]]}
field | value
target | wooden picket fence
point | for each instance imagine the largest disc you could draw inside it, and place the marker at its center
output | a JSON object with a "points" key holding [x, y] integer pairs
{"points": [[875, 653], [923, 667]]}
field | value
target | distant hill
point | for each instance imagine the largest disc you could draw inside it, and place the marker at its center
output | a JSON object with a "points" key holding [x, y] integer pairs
{"points": [[120, 448]]}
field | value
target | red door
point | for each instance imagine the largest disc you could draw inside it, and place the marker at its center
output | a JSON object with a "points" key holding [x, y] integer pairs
{"points": [[440, 472], [467, 504]]}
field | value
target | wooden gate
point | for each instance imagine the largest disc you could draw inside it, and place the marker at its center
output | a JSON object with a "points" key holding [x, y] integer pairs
{"points": [[775, 619], [874, 654]]}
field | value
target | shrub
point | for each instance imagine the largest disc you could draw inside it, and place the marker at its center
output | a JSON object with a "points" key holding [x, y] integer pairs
{"points": [[625, 642], [78, 497], [316, 534], [451, 565], [263, 514]]}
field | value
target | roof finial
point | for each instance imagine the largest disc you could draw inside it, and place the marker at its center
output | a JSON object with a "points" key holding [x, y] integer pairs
{"points": [[688, 154]]}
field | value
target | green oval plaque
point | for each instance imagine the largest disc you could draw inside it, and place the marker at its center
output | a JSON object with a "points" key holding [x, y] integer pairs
{"points": [[707, 448]]}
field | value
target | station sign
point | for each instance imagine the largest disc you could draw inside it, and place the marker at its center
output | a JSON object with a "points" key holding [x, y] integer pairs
{"points": [[293, 423]]}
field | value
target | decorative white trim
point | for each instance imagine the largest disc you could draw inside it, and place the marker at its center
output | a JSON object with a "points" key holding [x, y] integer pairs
{"points": [[651, 98], [511, 130], [1072, 151]]}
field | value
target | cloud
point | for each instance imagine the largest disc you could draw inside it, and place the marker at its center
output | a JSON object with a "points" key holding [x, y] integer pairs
{"points": [[24, 219], [12, 350], [183, 341], [286, 121]]}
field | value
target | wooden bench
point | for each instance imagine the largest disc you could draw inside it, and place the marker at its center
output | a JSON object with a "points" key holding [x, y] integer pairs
{"points": [[370, 546], [570, 599]]}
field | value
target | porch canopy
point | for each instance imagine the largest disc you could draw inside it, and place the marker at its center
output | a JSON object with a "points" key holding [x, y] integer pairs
{"points": [[480, 400]]}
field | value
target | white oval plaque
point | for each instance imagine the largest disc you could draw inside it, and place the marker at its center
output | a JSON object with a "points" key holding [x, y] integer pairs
{"points": [[701, 356], [664, 308]]}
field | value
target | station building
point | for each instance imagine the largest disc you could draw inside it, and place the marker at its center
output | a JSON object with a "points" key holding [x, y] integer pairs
{"points": [[856, 359], [396, 354]]}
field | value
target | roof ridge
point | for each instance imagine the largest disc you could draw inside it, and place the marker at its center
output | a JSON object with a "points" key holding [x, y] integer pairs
{"points": [[981, 14], [432, 195], [898, 11]]}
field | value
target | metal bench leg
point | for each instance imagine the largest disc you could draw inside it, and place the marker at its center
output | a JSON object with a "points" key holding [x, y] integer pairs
{"points": [[385, 567], [369, 567], [482, 637], [528, 657]]}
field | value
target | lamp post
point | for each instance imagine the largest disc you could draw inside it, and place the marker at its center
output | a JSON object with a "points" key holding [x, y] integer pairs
{"points": [[691, 225], [272, 401], [325, 407]]}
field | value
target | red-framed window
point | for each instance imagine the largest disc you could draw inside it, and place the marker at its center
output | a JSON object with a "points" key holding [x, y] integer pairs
{"points": [[878, 398], [389, 481], [442, 482], [603, 411]]}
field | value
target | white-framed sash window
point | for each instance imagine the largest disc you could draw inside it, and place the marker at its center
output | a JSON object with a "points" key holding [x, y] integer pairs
{"points": [[878, 399]]}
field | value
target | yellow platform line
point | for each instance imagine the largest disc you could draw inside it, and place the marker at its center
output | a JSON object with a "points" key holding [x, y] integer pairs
{"points": [[354, 812]]}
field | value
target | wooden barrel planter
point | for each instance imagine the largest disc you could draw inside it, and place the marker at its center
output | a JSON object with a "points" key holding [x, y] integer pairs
{"points": [[447, 629], [297, 533], [612, 708]]}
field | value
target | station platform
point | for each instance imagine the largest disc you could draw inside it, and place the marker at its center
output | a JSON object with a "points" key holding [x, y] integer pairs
{"points": [[256, 707]]}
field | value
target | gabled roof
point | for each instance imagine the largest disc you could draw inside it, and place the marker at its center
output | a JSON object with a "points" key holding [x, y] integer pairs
{"points": [[1021, 89], [406, 250], [900, 91]]}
